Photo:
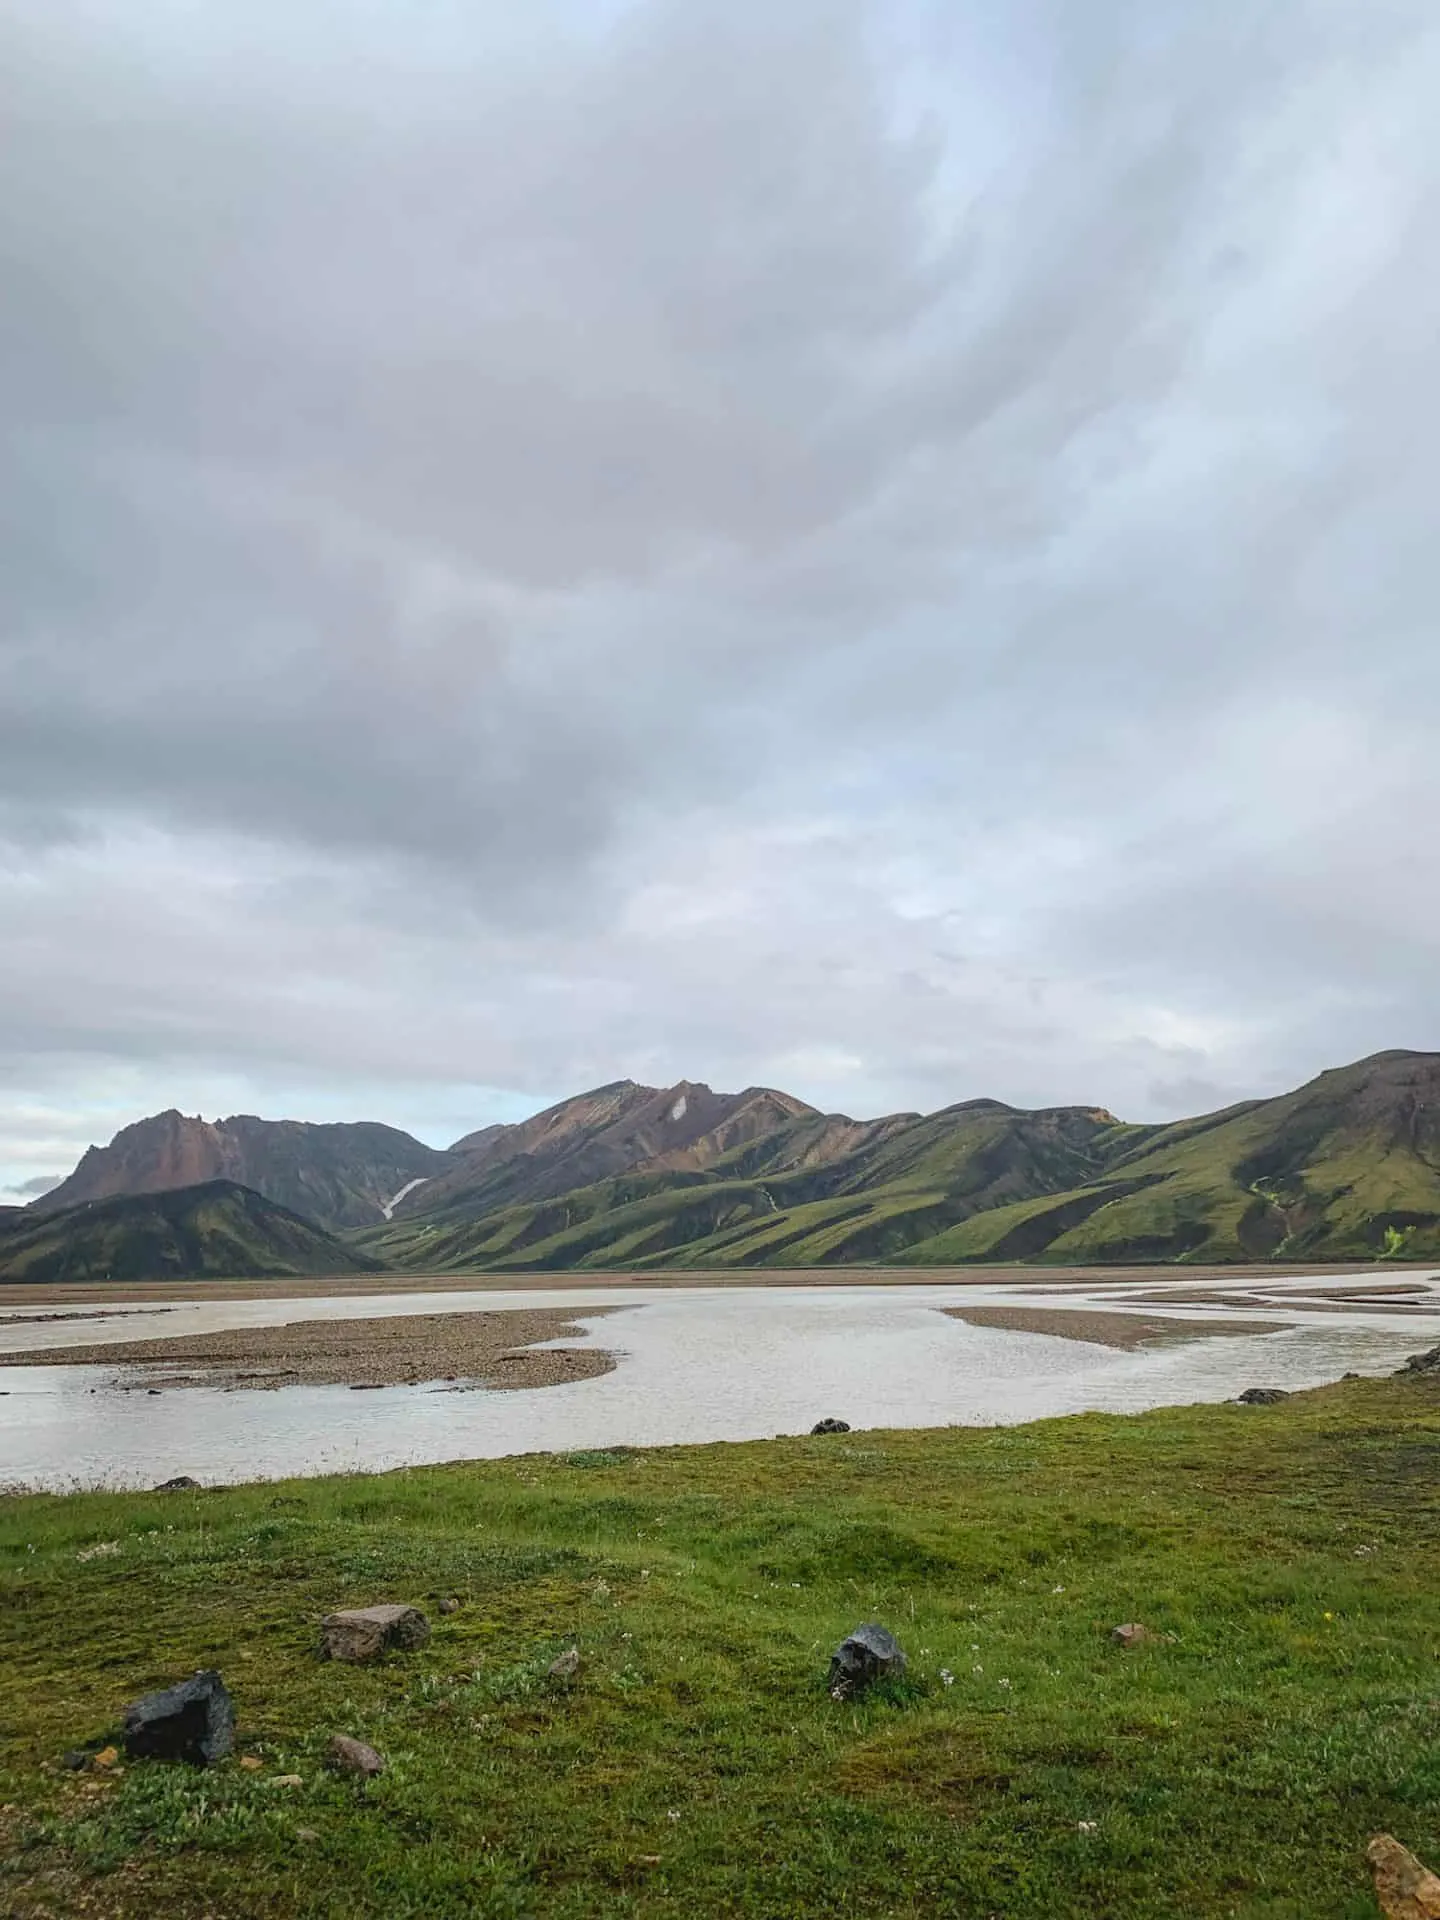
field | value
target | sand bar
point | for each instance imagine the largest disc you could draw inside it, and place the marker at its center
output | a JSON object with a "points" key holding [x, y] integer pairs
{"points": [[1129, 1331], [463, 1349]]}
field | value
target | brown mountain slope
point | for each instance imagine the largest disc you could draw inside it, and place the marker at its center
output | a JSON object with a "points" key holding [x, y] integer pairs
{"points": [[616, 1129], [337, 1175]]}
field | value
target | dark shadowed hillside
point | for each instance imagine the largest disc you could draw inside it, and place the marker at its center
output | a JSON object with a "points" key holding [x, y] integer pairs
{"points": [[214, 1231]]}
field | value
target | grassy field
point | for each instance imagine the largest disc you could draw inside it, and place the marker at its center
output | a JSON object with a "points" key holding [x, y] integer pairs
{"points": [[1288, 1559]]}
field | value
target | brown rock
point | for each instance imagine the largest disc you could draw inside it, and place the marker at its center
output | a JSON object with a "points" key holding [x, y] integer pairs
{"points": [[286, 1780], [1405, 1889], [353, 1756], [364, 1633], [252, 1763], [1132, 1634]]}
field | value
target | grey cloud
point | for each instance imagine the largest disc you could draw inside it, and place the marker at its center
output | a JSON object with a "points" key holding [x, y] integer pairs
{"points": [[611, 544]]}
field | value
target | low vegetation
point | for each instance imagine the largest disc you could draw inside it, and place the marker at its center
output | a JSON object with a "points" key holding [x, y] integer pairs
{"points": [[1285, 1707]]}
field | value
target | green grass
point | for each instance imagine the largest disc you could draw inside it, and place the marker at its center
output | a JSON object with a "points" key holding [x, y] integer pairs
{"points": [[697, 1766]]}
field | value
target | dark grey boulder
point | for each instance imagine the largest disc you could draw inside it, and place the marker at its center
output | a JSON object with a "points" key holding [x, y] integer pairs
{"points": [[194, 1721], [871, 1653], [182, 1483], [1262, 1397], [1420, 1363], [831, 1426]]}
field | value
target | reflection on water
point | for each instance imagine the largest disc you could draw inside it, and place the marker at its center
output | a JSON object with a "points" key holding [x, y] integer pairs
{"points": [[695, 1363]]}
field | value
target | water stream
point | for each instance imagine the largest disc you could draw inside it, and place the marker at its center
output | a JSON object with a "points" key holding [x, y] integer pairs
{"points": [[694, 1364]]}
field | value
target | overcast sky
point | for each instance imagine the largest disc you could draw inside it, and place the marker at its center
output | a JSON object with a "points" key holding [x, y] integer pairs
{"points": [[885, 547]]}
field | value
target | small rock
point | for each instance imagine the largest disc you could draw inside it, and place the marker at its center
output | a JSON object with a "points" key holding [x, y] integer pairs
{"points": [[1261, 1397], [353, 1756], [106, 1758], [871, 1653], [194, 1721], [1405, 1889], [366, 1386], [565, 1666], [286, 1780], [306, 1833], [1133, 1634], [1349, 1376], [452, 1605], [1427, 1362], [154, 1392], [252, 1763], [364, 1633], [831, 1426], [76, 1761], [182, 1483]]}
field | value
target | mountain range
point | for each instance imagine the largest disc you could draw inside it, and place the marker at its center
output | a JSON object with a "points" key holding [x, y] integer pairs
{"points": [[1346, 1167]]}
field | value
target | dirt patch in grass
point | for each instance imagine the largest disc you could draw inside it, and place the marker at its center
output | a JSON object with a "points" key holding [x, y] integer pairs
{"points": [[1128, 1331], [489, 1349]]}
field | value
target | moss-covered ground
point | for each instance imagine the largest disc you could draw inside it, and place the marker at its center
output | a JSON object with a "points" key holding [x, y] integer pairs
{"points": [[1287, 1560]]}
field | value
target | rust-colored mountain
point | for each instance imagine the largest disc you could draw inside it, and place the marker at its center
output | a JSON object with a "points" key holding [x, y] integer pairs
{"points": [[339, 1175], [615, 1129]]}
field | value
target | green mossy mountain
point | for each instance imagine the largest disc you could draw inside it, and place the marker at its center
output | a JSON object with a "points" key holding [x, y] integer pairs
{"points": [[216, 1230], [641, 1178], [1345, 1168]]}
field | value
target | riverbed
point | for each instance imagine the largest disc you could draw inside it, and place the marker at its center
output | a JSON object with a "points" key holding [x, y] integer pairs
{"points": [[690, 1363]]}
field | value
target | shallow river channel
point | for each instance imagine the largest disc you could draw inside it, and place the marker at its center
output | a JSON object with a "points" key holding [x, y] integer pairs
{"points": [[692, 1364]]}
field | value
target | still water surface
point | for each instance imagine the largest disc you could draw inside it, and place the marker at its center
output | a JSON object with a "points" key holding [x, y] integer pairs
{"points": [[694, 1364]]}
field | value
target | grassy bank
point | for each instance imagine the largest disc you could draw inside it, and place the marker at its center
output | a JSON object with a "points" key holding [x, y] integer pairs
{"points": [[1290, 1556]]}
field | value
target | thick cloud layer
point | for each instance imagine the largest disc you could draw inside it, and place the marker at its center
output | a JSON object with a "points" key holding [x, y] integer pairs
{"points": [[885, 549]]}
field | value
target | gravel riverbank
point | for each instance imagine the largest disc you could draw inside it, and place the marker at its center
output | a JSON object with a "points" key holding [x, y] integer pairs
{"points": [[469, 1349]]}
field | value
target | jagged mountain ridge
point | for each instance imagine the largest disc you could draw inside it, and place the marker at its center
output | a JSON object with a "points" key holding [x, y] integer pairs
{"points": [[819, 1188], [616, 1129], [1346, 1167], [342, 1174], [213, 1230], [632, 1177]]}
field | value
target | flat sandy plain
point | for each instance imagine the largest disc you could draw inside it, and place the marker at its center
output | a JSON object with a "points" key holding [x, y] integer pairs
{"points": [[80, 1294]]}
